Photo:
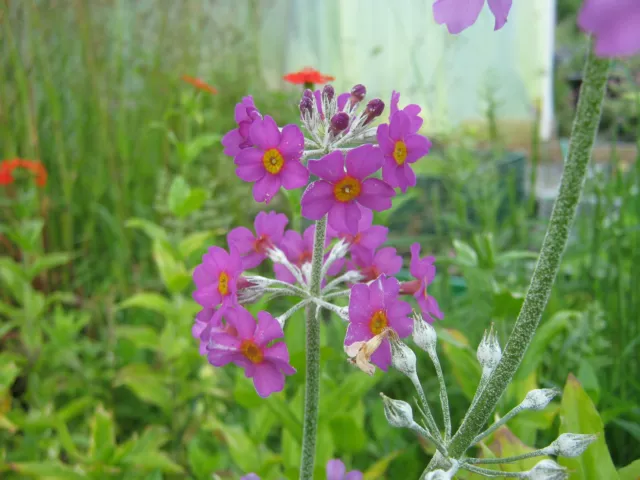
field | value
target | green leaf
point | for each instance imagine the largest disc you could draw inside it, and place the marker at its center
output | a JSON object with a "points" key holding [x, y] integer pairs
{"points": [[67, 442], [195, 147], [578, 414], [103, 436], [589, 380], [152, 460], [465, 255], [8, 373], [13, 277], [178, 194], [149, 301], [463, 361], [47, 262], [630, 472], [146, 384], [242, 450], [506, 444], [348, 436], [47, 470], [203, 462], [141, 336], [74, 408], [193, 243], [152, 230], [378, 469], [193, 202], [287, 417], [174, 274]]}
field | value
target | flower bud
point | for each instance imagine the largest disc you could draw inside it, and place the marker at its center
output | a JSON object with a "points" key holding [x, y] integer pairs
{"points": [[374, 109], [402, 357], [307, 94], [570, 444], [424, 335], [328, 93], [339, 122], [306, 106], [489, 352], [397, 412], [546, 470], [539, 399], [438, 475], [358, 93]]}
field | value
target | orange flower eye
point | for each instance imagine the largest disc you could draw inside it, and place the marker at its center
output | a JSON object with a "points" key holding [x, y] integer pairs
{"points": [[347, 189]]}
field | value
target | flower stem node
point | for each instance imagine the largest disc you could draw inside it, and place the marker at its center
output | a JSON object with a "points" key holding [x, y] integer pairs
{"points": [[489, 351], [402, 357], [570, 444], [539, 399], [424, 335], [397, 412], [547, 470]]}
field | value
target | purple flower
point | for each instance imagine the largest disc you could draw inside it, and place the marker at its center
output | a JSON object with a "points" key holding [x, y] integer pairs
{"points": [[458, 15], [274, 161], [206, 320], [337, 471], [269, 229], [252, 348], [371, 265], [250, 476], [338, 193], [238, 138], [374, 308], [368, 237], [615, 26], [401, 148], [424, 271], [412, 111], [298, 249], [216, 278]]}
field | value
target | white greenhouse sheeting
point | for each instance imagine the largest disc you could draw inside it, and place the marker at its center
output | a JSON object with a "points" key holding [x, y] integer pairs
{"points": [[397, 45]]}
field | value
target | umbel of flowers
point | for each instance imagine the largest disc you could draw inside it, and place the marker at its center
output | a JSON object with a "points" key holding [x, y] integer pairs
{"points": [[344, 184]]}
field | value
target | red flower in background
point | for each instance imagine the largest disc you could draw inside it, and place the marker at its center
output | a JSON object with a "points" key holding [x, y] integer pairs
{"points": [[8, 166], [308, 75], [199, 84]]}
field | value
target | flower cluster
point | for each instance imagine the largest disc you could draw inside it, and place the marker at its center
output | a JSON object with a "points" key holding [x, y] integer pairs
{"points": [[7, 168], [349, 168]]}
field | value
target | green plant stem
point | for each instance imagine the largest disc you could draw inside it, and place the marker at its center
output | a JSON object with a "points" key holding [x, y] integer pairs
{"points": [[312, 381], [583, 135]]}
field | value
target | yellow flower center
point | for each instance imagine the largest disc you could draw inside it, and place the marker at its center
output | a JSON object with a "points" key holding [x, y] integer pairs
{"points": [[347, 189], [272, 161], [400, 152], [252, 351], [378, 322], [223, 283]]}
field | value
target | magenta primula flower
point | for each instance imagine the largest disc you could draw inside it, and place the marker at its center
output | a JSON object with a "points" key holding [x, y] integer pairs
{"points": [[337, 471], [458, 15], [274, 161], [206, 320], [298, 249], [374, 308], [367, 238], [269, 229], [216, 278], [424, 270], [401, 148], [614, 24], [238, 139], [371, 265], [412, 110], [252, 347], [339, 192]]}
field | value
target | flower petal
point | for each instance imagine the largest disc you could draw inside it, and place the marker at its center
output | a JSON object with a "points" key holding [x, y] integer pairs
{"points": [[357, 332], [294, 175], [382, 356], [291, 142], [265, 133], [330, 167], [338, 217], [417, 147], [384, 142], [388, 261], [457, 16], [270, 224], [399, 126], [283, 274], [354, 475], [335, 470], [241, 238], [363, 161], [500, 10], [231, 142], [268, 329], [242, 320], [317, 200], [267, 379], [266, 188], [406, 177], [359, 305], [376, 194], [389, 172], [279, 356]]}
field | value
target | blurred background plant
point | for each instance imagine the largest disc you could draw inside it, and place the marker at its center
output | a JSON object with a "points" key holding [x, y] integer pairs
{"points": [[99, 374]]}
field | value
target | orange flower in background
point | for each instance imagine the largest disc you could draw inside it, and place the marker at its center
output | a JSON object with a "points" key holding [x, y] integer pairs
{"points": [[34, 166], [199, 84], [308, 75]]}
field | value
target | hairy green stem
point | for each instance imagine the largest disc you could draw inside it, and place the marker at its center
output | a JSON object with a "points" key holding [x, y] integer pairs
{"points": [[312, 381], [583, 135]]}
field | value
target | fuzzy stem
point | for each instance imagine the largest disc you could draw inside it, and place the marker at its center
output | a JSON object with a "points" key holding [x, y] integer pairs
{"points": [[492, 473], [444, 399], [312, 381], [498, 461], [583, 135]]}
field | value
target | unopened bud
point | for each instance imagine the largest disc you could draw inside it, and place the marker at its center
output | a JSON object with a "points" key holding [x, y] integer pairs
{"points": [[339, 122], [397, 412], [438, 475], [424, 335], [307, 94], [539, 399], [358, 92], [547, 470], [489, 352], [328, 93], [570, 444], [374, 109], [402, 357], [306, 106]]}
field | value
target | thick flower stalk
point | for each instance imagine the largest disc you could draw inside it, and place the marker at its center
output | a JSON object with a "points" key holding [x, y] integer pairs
{"points": [[339, 258]]}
